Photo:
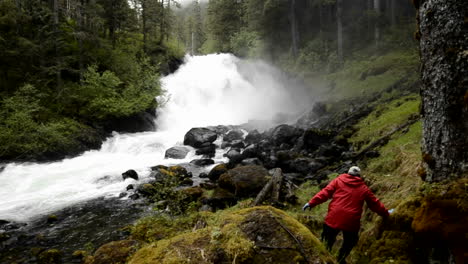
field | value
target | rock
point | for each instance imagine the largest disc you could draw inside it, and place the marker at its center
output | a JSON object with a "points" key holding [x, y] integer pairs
{"points": [[51, 219], [147, 190], [51, 256], [186, 182], [238, 144], [4, 236], [220, 199], [193, 193], [197, 136], [178, 152], [285, 134], [296, 178], [252, 235], [207, 150], [244, 181], [134, 196], [203, 175], [313, 138], [122, 194], [372, 154], [179, 172], [114, 252], [250, 151], [208, 185], [303, 165], [235, 134], [130, 174], [253, 137], [217, 171], [234, 156], [252, 161], [130, 187], [202, 162]]}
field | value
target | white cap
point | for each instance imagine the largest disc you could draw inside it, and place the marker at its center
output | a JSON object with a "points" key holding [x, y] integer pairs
{"points": [[355, 171]]}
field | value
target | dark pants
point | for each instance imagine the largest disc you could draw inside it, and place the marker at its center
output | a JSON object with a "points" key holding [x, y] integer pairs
{"points": [[350, 239]]}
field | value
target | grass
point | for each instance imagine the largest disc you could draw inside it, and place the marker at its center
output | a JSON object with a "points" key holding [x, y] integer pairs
{"points": [[365, 75]]}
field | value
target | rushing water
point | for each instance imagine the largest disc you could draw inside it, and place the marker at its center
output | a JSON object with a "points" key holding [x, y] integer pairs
{"points": [[206, 90]]}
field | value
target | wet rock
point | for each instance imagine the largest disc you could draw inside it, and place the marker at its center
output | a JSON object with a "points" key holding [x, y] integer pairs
{"points": [[253, 137], [186, 182], [123, 194], [217, 171], [303, 165], [238, 144], [178, 152], [179, 172], [113, 252], [235, 134], [147, 190], [244, 181], [134, 196], [51, 256], [130, 174], [202, 162], [250, 151], [234, 156], [252, 161], [285, 134], [52, 219], [130, 187], [203, 175], [196, 137], [4, 236], [208, 150], [208, 185], [296, 178]]}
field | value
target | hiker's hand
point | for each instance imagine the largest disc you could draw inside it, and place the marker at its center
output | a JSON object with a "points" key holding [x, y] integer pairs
{"points": [[391, 211], [306, 206]]}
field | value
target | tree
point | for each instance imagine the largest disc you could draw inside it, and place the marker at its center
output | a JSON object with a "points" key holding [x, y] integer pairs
{"points": [[444, 75], [339, 14]]}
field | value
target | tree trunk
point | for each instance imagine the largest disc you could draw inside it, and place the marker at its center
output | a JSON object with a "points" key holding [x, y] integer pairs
{"points": [[294, 31], [339, 11], [392, 12], [444, 91], [369, 26], [144, 28], [376, 23], [57, 53]]}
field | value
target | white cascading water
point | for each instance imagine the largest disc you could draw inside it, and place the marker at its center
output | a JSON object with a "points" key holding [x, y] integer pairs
{"points": [[207, 90]]}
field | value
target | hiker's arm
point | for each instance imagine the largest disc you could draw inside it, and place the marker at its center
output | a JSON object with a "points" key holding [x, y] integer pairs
{"points": [[325, 194], [375, 205]]}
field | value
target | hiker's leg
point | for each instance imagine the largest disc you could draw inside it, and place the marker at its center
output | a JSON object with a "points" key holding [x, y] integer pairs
{"points": [[329, 236], [350, 239]]}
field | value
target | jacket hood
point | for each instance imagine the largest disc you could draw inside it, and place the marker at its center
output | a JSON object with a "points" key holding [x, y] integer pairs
{"points": [[351, 180]]}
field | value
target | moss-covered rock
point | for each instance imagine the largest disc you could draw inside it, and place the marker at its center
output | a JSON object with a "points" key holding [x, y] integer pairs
{"points": [[217, 171], [115, 252], [245, 181], [51, 256], [252, 235]]}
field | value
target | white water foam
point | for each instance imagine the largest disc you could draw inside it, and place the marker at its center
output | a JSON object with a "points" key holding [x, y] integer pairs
{"points": [[206, 90]]}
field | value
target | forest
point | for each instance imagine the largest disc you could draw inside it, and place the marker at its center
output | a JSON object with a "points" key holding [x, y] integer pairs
{"points": [[203, 131]]}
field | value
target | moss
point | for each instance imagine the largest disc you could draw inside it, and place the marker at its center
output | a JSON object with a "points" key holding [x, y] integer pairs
{"points": [[232, 236], [51, 256], [113, 252]]}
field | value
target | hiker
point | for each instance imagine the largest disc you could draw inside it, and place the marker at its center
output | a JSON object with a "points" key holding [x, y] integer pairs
{"points": [[348, 193]]}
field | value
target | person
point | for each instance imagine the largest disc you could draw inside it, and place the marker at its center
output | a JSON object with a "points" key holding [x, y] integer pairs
{"points": [[348, 193]]}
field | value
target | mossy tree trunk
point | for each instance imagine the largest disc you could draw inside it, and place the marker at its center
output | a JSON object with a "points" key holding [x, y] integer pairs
{"points": [[444, 74]]}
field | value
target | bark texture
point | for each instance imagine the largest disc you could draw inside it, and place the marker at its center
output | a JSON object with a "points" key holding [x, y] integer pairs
{"points": [[444, 92]]}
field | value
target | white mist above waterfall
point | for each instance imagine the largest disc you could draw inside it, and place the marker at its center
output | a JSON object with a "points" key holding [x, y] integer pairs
{"points": [[207, 90]]}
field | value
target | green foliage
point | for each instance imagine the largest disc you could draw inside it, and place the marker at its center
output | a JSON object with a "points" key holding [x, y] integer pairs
{"points": [[246, 44]]}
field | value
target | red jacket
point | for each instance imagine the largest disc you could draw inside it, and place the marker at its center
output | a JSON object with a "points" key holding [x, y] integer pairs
{"points": [[348, 194]]}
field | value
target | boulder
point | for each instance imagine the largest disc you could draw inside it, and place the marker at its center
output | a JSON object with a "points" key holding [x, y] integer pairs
{"points": [[220, 199], [51, 256], [244, 181], [296, 178], [234, 156], [235, 134], [113, 252], [253, 235], [285, 134], [250, 151], [203, 175], [130, 174], [217, 171], [303, 165], [196, 137], [192, 193], [202, 162], [313, 138], [253, 137], [178, 152], [208, 150], [238, 144]]}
